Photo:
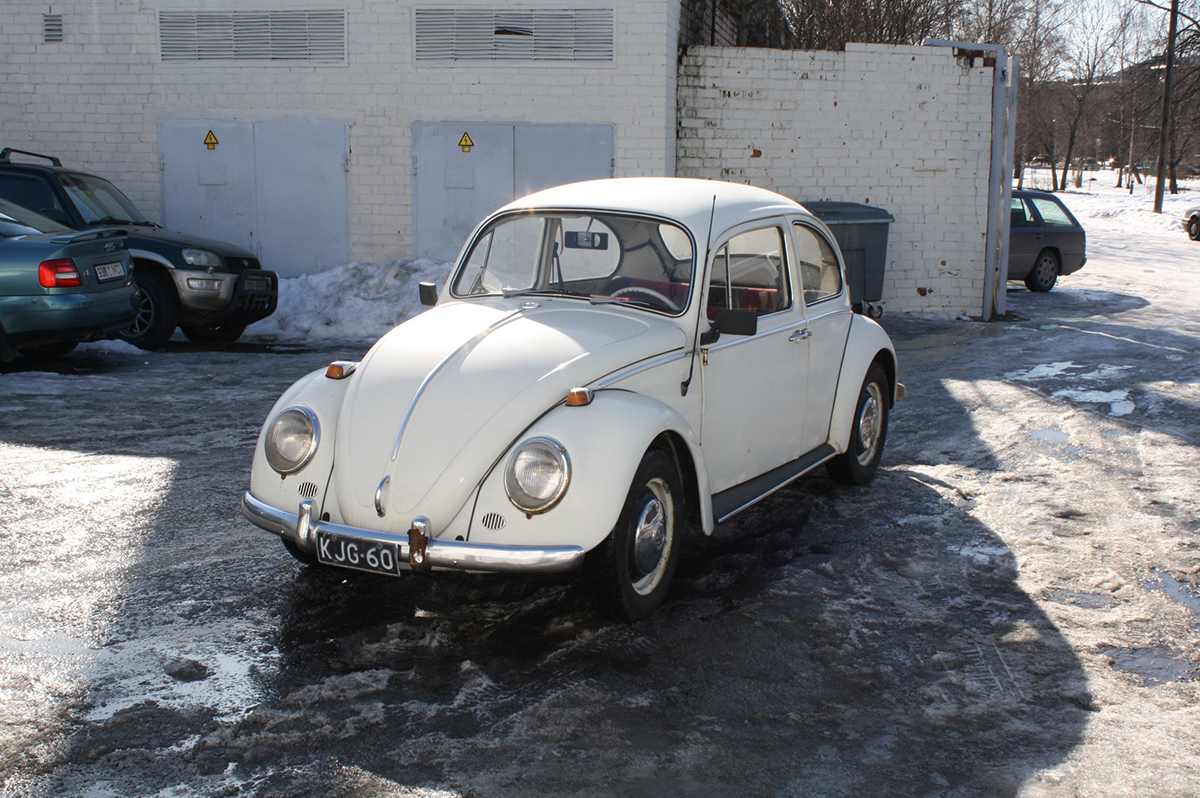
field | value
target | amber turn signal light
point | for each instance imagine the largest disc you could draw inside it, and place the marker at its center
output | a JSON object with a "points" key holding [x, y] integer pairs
{"points": [[579, 397], [340, 369]]}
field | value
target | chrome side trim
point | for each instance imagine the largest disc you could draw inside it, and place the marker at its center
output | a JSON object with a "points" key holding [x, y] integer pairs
{"points": [[662, 361], [449, 554]]}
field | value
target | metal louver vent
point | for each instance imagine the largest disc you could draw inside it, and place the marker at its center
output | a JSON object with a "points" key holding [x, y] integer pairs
{"points": [[308, 490], [307, 35], [492, 521], [481, 34], [52, 28]]}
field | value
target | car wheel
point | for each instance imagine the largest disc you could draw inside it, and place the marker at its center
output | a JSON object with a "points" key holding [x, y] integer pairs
{"points": [[1193, 228], [630, 572], [1044, 273], [215, 334], [49, 351], [858, 464], [157, 311]]}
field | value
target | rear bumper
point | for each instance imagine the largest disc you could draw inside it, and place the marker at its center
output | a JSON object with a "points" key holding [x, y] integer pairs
{"points": [[36, 320], [447, 554]]}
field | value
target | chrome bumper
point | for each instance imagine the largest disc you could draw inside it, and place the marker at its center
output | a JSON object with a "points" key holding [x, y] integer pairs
{"points": [[301, 529]]}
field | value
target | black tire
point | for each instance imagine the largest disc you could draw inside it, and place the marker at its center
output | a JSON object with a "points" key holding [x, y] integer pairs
{"points": [[1193, 228], [858, 464], [1044, 273], [157, 311], [630, 572], [306, 557], [218, 334], [47, 352]]}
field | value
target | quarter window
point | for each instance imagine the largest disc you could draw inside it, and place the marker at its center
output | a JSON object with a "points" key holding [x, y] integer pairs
{"points": [[750, 273], [1052, 213], [819, 271]]}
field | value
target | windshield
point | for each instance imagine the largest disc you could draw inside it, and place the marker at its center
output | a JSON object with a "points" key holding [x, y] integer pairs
{"points": [[18, 221], [601, 257], [98, 201]]}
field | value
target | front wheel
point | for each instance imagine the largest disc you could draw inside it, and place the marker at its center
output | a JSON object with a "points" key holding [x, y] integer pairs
{"points": [[1193, 228], [157, 311], [630, 572], [1044, 273], [858, 464]]}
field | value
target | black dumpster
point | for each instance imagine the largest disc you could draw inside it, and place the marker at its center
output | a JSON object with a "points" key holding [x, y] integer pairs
{"points": [[861, 232]]}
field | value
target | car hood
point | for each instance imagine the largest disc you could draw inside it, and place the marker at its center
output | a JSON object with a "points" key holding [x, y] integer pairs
{"points": [[438, 399], [161, 236]]}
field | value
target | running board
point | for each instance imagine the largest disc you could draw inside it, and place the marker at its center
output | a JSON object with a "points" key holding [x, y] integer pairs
{"points": [[733, 500]]}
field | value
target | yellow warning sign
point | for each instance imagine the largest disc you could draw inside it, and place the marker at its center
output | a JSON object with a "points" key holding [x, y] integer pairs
{"points": [[210, 141], [465, 142]]}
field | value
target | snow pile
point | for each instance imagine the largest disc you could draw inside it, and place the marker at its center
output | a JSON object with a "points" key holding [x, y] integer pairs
{"points": [[358, 300]]}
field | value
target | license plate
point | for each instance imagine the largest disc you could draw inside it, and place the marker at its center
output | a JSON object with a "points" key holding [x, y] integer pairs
{"points": [[110, 271], [257, 285], [365, 555]]}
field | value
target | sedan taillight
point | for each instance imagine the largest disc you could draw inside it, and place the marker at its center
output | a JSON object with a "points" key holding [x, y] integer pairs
{"points": [[59, 273]]}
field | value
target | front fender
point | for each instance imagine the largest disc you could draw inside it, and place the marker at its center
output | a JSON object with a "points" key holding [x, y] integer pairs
{"points": [[866, 342], [605, 441], [324, 397]]}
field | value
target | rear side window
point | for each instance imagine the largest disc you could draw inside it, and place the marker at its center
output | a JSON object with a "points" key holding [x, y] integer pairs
{"points": [[750, 273], [1052, 213], [819, 270], [1021, 215], [28, 192]]}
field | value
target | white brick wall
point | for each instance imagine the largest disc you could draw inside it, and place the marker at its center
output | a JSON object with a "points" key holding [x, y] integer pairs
{"points": [[907, 129], [95, 99]]}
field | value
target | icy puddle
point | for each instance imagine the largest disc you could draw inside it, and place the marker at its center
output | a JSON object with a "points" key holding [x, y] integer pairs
{"points": [[1159, 664]]}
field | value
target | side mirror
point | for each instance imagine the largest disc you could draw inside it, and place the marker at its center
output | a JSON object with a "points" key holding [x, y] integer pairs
{"points": [[733, 322], [429, 294]]}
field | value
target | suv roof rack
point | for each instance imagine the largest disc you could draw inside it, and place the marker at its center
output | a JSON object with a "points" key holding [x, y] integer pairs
{"points": [[4, 153]]}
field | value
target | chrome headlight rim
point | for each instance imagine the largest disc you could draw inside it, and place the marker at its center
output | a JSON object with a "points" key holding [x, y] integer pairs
{"points": [[278, 464], [525, 502]]}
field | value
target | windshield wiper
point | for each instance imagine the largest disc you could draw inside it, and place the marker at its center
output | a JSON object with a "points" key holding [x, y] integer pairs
{"points": [[540, 292], [115, 220]]}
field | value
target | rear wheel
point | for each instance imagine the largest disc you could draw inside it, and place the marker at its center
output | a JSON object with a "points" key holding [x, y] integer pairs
{"points": [[215, 334], [1044, 273], [630, 572], [1193, 228], [157, 311], [49, 351], [858, 464]]}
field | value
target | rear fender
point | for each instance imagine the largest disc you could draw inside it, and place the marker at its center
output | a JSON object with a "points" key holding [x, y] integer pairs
{"points": [[866, 343], [605, 441]]}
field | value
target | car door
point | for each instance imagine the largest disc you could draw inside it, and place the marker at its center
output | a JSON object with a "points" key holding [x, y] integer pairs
{"points": [[1058, 230], [1024, 239], [754, 393], [826, 327]]}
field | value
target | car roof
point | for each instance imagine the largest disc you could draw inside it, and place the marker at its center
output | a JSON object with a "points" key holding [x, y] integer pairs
{"points": [[690, 201], [1026, 193]]}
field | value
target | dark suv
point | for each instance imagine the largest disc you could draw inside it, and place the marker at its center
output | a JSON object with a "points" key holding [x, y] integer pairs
{"points": [[209, 289]]}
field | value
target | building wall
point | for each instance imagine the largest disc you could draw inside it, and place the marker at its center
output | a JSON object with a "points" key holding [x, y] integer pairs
{"points": [[907, 129], [95, 99]]}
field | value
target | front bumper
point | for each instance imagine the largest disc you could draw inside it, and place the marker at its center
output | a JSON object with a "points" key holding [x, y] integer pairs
{"points": [[457, 555]]}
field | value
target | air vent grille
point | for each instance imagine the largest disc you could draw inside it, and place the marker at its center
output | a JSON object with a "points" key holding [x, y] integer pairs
{"points": [[481, 34], [306, 35], [492, 521], [308, 490], [52, 28]]}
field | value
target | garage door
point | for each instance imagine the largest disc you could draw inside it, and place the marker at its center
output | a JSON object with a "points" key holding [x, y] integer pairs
{"points": [[465, 170]]}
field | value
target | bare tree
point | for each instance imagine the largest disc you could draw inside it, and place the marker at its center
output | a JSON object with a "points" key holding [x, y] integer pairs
{"points": [[1090, 44]]}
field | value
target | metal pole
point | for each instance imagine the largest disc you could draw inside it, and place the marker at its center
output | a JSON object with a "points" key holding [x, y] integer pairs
{"points": [[1164, 133]]}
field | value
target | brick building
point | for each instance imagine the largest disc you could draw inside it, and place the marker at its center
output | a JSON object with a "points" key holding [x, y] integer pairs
{"points": [[368, 130]]}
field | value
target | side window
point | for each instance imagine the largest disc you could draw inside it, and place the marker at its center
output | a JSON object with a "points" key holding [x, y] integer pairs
{"points": [[819, 271], [28, 192], [750, 273], [1052, 214], [1020, 214]]}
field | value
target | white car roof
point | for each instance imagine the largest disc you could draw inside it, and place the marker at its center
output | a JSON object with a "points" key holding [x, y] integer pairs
{"points": [[687, 200]]}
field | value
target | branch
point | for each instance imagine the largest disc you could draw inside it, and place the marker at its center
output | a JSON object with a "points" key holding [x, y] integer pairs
{"points": [[1153, 4]]}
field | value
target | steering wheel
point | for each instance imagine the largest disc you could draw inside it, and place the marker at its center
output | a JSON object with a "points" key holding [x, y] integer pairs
{"points": [[650, 292]]}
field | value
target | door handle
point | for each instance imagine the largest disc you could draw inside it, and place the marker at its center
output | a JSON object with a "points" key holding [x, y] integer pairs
{"points": [[800, 335]]}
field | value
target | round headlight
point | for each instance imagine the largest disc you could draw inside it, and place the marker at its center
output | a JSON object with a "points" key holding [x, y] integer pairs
{"points": [[537, 475], [292, 439]]}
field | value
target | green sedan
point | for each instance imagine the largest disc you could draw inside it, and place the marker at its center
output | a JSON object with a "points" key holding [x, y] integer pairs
{"points": [[59, 286]]}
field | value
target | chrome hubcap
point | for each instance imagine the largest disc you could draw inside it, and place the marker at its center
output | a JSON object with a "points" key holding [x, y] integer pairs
{"points": [[652, 537], [144, 315], [870, 423], [1045, 270]]}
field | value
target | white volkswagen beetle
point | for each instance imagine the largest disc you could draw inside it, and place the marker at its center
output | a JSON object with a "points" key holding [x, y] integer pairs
{"points": [[610, 362]]}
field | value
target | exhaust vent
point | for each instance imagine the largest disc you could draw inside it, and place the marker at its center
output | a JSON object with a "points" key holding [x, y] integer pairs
{"points": [[52, 28]]}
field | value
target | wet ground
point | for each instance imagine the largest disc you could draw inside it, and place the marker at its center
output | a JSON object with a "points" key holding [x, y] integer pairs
{"points": [[1009, 609]]}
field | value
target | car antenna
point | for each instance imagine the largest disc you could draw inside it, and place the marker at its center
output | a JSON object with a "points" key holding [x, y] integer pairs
{"points": [[683, 386]]}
